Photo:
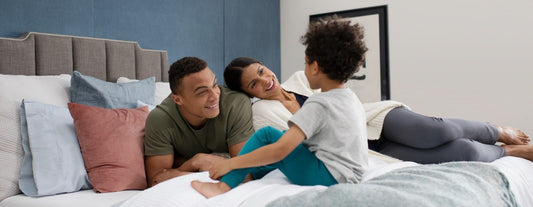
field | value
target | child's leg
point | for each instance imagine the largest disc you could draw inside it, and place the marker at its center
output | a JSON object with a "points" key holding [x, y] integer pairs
{"points": [[301, 166], [415, 130], [264, 136]]}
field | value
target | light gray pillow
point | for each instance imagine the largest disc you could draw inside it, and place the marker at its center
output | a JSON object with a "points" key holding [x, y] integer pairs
{"points": [[91, 91], [52, 161]]}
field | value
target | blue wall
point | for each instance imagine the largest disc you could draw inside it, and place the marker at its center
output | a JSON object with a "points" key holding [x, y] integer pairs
{"points": [[214, 30]]}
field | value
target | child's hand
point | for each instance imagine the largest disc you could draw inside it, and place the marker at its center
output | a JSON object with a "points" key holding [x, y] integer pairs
{"points": [[219, 169]]}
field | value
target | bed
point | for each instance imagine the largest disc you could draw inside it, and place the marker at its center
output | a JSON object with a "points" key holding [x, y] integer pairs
{"points": [[31, 68], [39, 69]]}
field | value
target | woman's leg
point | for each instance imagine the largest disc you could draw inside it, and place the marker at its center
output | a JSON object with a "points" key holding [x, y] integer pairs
{"points": [[301, 166], [455, 150], [523, 151], [418, 131]]}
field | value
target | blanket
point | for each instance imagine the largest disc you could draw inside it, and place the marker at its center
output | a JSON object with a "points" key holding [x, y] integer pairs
{"points": [[448, 184]]}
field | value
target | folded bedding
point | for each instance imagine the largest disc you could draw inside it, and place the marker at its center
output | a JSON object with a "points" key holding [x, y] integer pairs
{"points": [[449, 184]]}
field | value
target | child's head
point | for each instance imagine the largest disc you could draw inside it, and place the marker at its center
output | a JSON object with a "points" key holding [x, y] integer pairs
{"points": [[337, 47]]}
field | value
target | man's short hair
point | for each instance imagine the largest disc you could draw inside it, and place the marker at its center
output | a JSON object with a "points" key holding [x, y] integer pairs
{"points": [[182, 68]]}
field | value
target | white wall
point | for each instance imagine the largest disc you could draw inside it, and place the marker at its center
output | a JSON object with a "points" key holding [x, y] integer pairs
{"points": [[455, 59]]}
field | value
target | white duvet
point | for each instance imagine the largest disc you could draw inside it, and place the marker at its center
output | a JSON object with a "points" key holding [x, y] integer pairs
{"points": [[178, 192]]}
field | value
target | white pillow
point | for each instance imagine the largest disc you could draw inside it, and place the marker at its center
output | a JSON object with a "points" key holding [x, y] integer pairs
{"points": [[10, 148], [298, 83], [13, 88], [53, 89], [162, 89]]}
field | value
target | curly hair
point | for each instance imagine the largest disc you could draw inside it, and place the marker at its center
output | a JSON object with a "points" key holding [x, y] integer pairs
{"points": [[233, 72], [182, 68], [337, 47]]}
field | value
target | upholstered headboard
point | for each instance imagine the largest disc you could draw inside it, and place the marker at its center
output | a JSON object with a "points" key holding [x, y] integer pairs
{"points": [[51, 54]]}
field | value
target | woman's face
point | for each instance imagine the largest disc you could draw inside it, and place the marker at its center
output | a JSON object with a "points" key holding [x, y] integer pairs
{"points": [[259, 81]]}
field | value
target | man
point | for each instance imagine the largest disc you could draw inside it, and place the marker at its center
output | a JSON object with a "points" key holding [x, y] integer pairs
{"points": [[198, 119]]}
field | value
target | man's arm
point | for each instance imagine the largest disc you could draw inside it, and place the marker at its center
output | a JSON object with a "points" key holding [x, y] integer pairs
{"points": [[236, 148], [264, 155], [240, 121], [159, 168]]}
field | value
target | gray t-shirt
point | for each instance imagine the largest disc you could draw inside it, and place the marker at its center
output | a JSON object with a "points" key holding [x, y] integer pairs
{"points": [[334, 124]]}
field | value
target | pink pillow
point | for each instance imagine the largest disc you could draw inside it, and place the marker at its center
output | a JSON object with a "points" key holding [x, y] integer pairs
{"points": [[111, 142]]}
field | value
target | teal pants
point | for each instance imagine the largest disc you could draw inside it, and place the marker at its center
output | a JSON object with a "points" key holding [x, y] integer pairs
{"points": [[301, 166]]}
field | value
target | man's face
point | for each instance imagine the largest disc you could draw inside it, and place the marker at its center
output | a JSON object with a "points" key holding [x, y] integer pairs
{"points": [[198, 98]]}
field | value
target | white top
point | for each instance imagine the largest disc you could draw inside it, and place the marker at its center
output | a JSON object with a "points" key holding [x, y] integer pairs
{"points": [[334, 125]]}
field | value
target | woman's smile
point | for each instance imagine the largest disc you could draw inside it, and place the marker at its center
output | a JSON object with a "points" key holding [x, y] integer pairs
{"points": [[271, 86]]}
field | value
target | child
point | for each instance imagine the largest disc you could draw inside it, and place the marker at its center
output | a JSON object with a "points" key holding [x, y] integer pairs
{"points": [[326, 142]]}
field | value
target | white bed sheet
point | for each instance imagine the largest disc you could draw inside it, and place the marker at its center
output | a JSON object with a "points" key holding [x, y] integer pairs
{"points": [[85, 198], [178, 192], [519, 172]]}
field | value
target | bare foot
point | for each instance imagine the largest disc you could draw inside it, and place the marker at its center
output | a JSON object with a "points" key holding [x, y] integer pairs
{"points": [[523, 151], [512, 136], [208, 189]]}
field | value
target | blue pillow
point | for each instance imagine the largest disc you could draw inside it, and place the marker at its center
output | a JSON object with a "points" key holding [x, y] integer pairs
{"points": [[91, 91], [52, 161]]}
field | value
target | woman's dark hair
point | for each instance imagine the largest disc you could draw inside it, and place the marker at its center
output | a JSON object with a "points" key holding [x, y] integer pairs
{"points": [[336, 45], [233, 72], [182, 68]]}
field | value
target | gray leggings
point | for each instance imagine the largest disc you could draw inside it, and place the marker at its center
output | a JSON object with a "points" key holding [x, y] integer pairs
{"points": [[413, 137]]}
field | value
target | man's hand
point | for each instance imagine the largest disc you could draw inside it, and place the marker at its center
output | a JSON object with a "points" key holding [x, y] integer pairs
{"points": [[160, 168], [200, 162], [166, 174]]}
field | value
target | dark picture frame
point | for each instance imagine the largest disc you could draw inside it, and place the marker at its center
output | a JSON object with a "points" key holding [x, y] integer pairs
{"points": [[372, 82]]}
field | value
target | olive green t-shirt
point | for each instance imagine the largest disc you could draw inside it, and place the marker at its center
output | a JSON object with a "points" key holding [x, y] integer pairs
{"points": [[167, 131]]}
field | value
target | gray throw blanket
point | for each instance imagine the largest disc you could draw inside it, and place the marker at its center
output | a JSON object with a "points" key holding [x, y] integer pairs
{"points": [[448, 184]]}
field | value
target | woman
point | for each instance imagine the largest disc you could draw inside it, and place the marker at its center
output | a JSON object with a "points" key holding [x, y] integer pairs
{"points": [[392, 128]]}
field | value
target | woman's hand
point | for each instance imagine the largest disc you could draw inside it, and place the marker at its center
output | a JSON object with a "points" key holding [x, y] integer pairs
{"points": [[219, 169]]}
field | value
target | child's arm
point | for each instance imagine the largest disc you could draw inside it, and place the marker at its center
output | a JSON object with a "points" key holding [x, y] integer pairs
{"points": [[261, 156]]}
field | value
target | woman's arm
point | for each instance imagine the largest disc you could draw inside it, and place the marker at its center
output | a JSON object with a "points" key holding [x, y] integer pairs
{"points": [[265, 155]]}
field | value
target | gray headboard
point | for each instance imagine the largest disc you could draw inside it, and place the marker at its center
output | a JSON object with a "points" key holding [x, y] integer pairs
{"points": [[52, 54]]}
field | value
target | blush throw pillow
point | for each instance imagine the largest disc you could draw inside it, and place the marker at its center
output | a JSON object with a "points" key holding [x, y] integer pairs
{"points": [[91, 91], [52, 161], [111, 142]]}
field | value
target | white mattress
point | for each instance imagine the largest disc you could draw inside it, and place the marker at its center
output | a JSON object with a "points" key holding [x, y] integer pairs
{"points": [[178, 192], [519, 172], [85, 198]]}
